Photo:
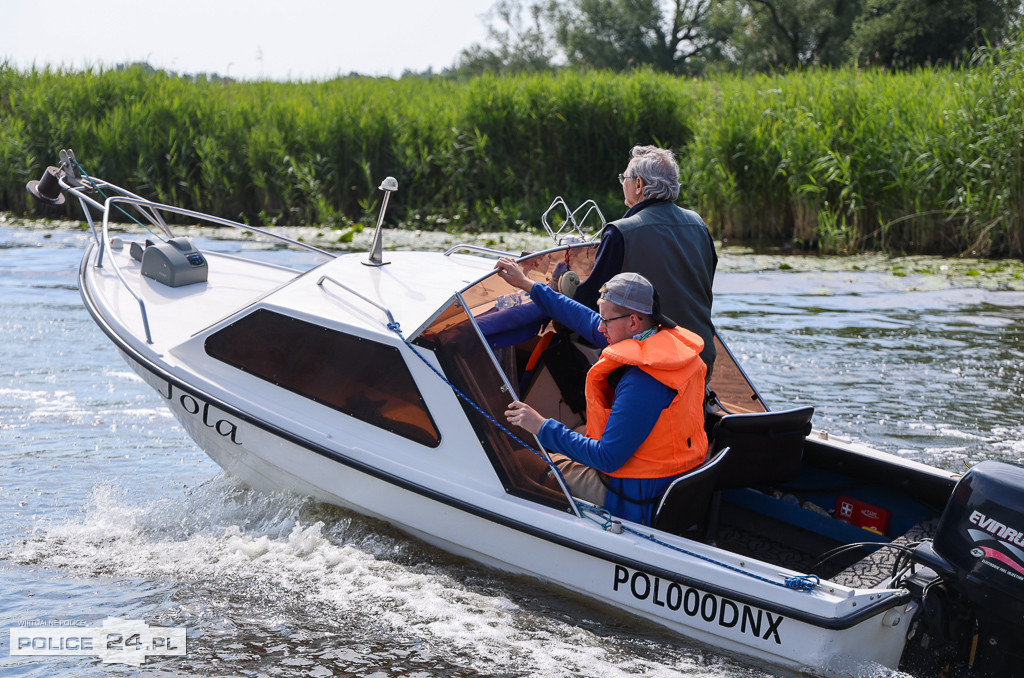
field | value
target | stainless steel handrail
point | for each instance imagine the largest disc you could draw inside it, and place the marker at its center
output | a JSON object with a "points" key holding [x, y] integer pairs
{"points": [[391, 318], [591, 207], [482, 250], [151, 211], [558, 201], [117, 270], [571, 225], [151, 215], [216, 220]]}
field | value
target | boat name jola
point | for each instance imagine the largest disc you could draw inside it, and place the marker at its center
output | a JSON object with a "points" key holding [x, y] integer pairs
{"points": [[693, 603], [195, 406]]}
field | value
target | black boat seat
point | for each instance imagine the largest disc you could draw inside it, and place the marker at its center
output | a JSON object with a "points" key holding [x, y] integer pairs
{"points": [[767, 447], [683, 508]]}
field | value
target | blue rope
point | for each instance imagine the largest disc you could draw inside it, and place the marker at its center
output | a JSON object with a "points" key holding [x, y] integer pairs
{"points": [[802, 583], [394, 327], [119, 208]]}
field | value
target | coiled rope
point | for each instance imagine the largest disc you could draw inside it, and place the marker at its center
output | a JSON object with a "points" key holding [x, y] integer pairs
{"points": [[602, 516]]}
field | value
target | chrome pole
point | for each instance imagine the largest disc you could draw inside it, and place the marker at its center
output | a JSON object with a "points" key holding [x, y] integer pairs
{"points": [[376, 255]]}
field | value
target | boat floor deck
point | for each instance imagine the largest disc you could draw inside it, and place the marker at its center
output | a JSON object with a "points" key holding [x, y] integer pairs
{"points": [[774, 542]]}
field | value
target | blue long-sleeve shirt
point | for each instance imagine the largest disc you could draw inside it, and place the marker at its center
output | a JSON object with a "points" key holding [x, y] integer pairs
{"points": [[639, 401]]}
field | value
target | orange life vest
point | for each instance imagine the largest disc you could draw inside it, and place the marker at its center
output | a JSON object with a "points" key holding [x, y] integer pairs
{"points": [[677, 442]]}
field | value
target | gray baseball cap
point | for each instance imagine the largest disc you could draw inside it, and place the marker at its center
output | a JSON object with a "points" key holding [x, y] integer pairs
{"points": [[636, 293]]}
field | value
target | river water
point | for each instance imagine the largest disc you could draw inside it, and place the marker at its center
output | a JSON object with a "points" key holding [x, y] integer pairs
{"points": [[109, 510]]}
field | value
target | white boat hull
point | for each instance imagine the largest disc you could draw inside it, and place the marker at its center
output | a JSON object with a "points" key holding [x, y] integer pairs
{"points": [[707, 614]]}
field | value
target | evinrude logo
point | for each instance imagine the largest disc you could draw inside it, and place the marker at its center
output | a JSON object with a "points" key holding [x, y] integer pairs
{"points": [[694, 603], [996, 528], [1006, 536], [194, 406]]}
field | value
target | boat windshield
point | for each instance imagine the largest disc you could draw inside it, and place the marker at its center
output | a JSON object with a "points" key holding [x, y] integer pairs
{"points": [[731, 384], [495, 346], [490, 371]]}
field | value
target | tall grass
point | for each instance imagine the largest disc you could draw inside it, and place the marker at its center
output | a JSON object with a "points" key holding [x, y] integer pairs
{"points": [[841, 160], [844, 159]]}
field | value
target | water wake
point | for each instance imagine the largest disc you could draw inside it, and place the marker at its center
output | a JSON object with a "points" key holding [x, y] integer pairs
{"points": [[317, 581]]}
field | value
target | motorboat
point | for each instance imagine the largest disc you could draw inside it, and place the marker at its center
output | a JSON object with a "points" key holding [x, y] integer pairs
{"points": [[377, 381]]}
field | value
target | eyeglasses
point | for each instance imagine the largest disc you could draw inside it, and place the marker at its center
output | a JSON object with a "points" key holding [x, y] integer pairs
{"points": [[605, 321], [623, 177]]}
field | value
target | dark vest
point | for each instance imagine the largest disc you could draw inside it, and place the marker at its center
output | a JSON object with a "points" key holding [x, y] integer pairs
{"points": [[672, 247]]}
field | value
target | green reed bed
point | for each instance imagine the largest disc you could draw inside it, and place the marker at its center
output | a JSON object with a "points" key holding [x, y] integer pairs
{"points": [[834, 157], [842, 160]]}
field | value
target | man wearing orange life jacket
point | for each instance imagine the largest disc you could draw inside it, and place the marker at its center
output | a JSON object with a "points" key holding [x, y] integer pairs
{"points": [[645, 397]]}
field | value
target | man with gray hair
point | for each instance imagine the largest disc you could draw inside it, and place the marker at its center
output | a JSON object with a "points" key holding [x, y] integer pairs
{"points": [[667, 244]]}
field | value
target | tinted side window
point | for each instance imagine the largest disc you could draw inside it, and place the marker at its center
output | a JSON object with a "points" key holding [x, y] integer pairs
{"points": [[362, 378]]}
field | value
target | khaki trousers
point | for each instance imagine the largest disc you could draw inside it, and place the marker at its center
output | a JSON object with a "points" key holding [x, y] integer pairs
{"points": [[584, 482]]}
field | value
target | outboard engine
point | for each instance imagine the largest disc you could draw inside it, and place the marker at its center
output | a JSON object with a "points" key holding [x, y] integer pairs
{"points": [[971, 591]]}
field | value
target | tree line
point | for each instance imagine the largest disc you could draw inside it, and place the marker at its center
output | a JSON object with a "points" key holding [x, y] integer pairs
{"points": [[694, 37]]}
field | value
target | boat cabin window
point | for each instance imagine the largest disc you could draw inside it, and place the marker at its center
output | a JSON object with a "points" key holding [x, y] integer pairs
{"points": [[361, 378]]}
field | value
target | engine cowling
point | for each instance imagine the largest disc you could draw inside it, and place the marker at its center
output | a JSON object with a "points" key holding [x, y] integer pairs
{"points": [[978, 553]]}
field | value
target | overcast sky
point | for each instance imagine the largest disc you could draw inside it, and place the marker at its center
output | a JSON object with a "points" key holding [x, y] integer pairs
{"points": [[287, 39]]}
